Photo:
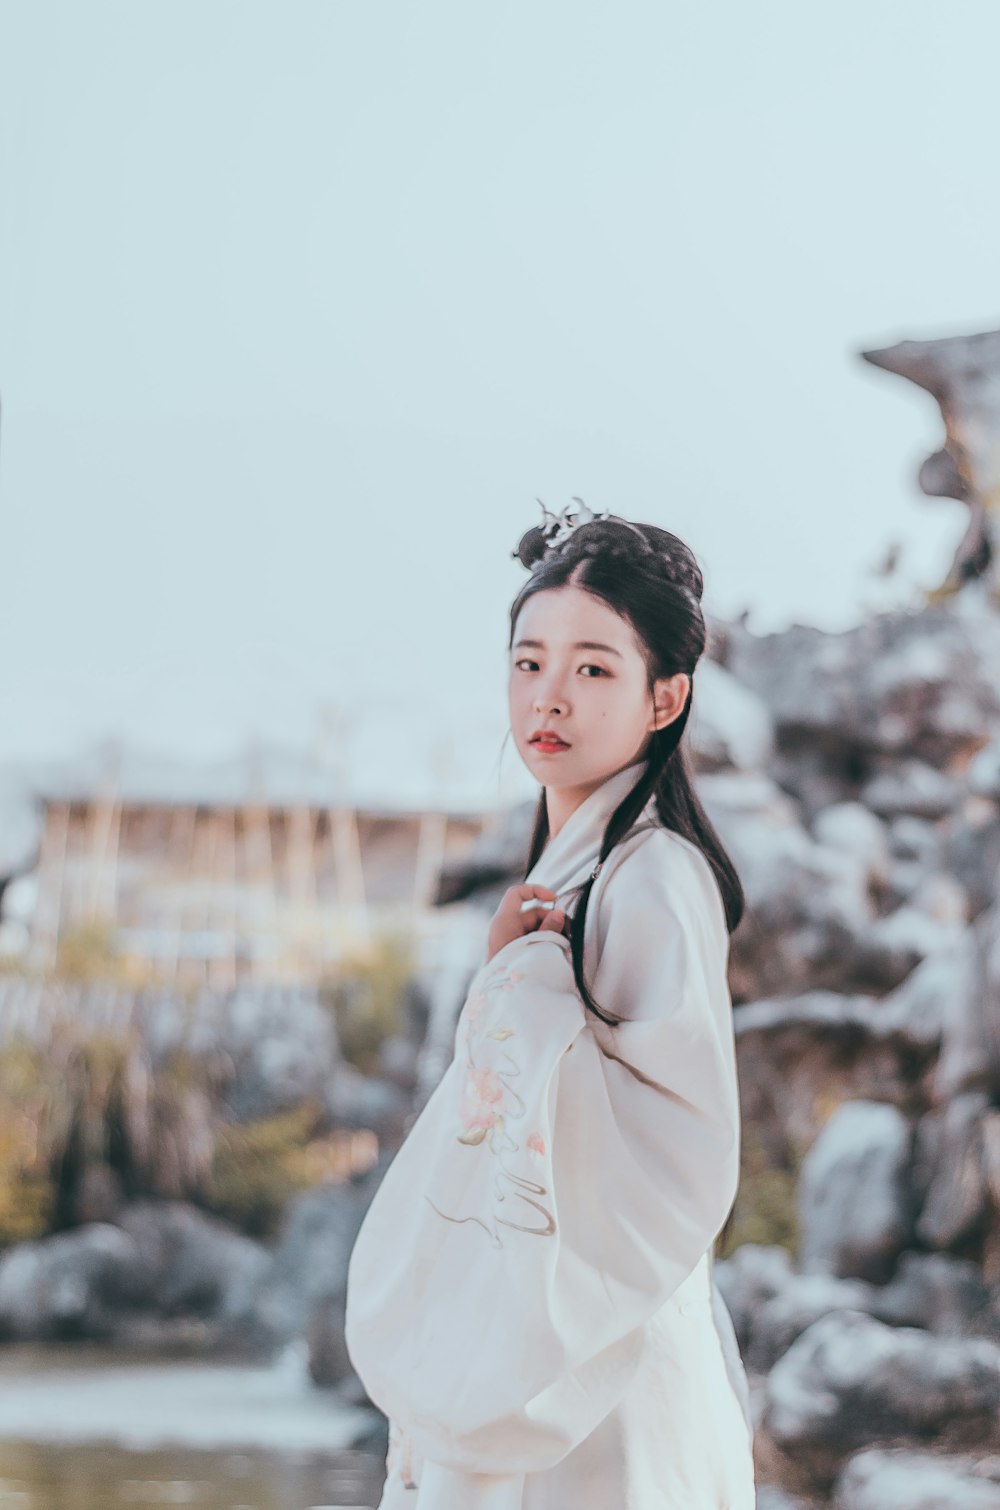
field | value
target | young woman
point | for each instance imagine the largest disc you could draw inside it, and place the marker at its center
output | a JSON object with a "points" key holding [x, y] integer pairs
{"points": [[530, 1297]]}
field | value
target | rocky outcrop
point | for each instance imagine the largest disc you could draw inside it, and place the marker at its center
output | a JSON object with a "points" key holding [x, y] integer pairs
{"points": [[902, 1479], [163, 1268], [849, 1380]]}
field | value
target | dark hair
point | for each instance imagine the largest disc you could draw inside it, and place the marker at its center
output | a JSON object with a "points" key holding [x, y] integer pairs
{"points": [[649, 577]]}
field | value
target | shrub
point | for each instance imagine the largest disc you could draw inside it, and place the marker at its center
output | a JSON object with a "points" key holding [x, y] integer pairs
{"points": [[366, 997]]}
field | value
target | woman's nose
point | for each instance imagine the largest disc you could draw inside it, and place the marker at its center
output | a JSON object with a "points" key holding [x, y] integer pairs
{"points": [[549, 699]]}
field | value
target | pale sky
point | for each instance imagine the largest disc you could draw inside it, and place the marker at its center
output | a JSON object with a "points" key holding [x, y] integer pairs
{"points": [[303, 304]]}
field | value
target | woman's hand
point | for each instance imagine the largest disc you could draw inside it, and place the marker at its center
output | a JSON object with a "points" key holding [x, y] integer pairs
{"points": [[511, 921]]}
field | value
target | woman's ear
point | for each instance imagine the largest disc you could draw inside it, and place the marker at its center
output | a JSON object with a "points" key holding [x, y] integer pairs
{"points": [[669, 696]]}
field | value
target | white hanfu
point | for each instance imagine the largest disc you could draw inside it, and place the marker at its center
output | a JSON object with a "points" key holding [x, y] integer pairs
{"points": [[530, 1297]]}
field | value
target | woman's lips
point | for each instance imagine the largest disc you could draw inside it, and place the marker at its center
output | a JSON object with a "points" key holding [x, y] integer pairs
{"points": [[549, 746]]}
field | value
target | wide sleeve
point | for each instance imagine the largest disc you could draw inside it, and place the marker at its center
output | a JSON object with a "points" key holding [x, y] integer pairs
{"points": [[549, 1198]]}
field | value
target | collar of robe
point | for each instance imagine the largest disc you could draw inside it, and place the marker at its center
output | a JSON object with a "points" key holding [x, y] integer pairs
{"points": [[569, 857]]}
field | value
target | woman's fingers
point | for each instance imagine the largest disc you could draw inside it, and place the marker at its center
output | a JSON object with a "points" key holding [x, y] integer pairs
{"points": [[525, 901]]}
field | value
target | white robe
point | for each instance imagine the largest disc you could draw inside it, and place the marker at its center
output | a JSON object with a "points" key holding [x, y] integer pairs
{"points": [[530, 1297]]}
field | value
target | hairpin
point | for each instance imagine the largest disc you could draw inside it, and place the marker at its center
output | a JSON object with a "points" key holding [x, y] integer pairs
{"points": [[556, 527]]}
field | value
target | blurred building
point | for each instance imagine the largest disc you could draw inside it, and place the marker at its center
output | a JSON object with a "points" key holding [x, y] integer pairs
{"points": [[266, 867]]}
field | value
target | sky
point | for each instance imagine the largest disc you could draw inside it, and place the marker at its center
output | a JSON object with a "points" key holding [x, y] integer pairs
{"points": [[303, 305]]}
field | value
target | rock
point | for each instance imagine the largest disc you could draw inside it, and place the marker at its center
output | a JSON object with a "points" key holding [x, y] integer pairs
{"points": [[279, 1042], [913, 685], [943, 898], [308, 1272], [914, 839], [944, 1294], [853, 1198], [983, 773], [770, 1498], [193, 1264], [969, 851], [849, 1382], [906, 1479], [924, 1005], [329, 1361], [853, 828], [796, 1056], [911, 786], [806, 903], [355, 1100], [747, 1279], [801, 1301], [962, 374], [949, 1171], [970, 1054], [70, 1285], [894, 945], [397, 1058], [730, 727]]}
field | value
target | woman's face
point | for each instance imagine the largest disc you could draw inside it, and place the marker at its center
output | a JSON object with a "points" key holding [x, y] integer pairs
{"points": [[576, 669]]}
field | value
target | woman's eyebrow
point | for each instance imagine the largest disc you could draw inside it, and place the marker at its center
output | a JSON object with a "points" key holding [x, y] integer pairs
{"points": [[580, 645]]}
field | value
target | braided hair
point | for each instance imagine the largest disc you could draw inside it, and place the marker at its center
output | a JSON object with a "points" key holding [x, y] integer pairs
{"points": [[651, 578]]}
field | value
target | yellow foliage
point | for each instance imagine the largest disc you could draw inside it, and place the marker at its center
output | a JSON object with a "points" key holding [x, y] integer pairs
{"points": [[366, 994], [27, 1190], [764, 1211], [258, 1167]]}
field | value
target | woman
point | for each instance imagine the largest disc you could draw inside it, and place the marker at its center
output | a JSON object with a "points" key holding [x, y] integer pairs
{"points": [[530, 1297]]}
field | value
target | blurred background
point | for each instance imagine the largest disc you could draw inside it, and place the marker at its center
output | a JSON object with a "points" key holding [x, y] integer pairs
{"points": [[303, 308]]}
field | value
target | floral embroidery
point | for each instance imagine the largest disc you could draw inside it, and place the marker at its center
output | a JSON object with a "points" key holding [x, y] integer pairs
{"points": [[490, 1108]]}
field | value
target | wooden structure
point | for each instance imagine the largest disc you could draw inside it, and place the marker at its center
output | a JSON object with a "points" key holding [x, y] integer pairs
{"points": [[214, 887]]}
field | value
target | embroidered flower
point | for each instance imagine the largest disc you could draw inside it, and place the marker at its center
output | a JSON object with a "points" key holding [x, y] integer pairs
{"points": [[489, 1110], [483, 1102]]}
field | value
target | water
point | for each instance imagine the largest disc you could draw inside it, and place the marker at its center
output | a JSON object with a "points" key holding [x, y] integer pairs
{"points": [[82, 1428]]}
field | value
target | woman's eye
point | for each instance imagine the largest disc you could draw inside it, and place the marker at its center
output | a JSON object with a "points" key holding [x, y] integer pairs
{"points": [[589, 667]]}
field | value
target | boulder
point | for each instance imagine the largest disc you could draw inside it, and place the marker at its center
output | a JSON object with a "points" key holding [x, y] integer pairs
{"points": [[801, 1301], [912, 685], [850, 1382], [798, 1055], [970, 1053], [855, 1206], [906, 1479], [771, 1498], [747, 1279], [192, 1264], [857, 831], [730, 727], [71, 1285], [911, 787], [944, 1294], [950, 1173], [304, 1288]]}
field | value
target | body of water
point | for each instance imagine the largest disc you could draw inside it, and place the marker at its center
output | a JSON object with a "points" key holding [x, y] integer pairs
{"points": [[82, 1428]]}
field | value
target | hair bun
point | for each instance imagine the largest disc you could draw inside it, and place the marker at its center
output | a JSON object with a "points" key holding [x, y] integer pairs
{"points": [[531, 546], [613, 537]]}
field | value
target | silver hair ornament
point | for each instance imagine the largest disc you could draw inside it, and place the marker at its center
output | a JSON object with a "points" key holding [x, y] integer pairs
{"points": [[557, 528], [566, 521]]}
